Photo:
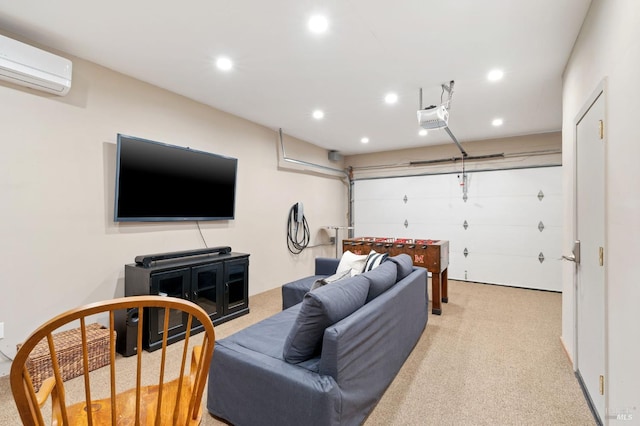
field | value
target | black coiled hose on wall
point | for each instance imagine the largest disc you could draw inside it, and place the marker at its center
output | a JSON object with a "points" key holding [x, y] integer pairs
{"points": [[298, 235]]}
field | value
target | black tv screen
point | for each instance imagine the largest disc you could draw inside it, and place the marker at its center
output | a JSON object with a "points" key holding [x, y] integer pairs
{"points": [[159, 182]]}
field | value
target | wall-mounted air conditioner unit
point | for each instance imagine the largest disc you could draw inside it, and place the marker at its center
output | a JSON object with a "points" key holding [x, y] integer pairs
{"points": [[29, 66]]}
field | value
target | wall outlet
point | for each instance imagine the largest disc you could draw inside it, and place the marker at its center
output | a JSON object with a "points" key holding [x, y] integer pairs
{"points": [[332, 240], [1, 330]]}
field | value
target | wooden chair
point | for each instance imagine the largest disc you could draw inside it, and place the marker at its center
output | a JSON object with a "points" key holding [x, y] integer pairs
{"points": [[167, 401]]}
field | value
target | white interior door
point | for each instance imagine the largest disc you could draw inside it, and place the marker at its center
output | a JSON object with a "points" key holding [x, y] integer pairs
{"points": [[590, 271]]}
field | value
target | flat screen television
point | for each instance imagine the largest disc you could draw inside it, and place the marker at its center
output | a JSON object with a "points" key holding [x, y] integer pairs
{"points": [[158, 182]]}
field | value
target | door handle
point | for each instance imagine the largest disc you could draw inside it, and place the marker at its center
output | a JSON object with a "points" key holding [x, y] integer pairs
{"points": [[575, 257]]}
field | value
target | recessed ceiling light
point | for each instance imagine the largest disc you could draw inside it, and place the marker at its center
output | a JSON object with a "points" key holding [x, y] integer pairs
{"points": [[318, 24], [423, 132], [318, 114], [223, 63], [497, 122], [495, 75], [391, 98], [364, 140]]}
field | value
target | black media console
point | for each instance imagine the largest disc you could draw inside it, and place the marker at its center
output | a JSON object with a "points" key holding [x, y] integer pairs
{"points": [[215, 278]]}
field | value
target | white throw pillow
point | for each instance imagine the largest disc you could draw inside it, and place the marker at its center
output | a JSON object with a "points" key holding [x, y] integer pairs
{"points": [[354, 263]]}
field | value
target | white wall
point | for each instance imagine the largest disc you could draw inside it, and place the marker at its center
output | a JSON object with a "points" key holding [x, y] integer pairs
{"points": [[609, 47], [59, 245]]}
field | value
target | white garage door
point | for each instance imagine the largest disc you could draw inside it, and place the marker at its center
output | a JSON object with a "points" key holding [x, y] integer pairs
{"points": [[507, 231]]}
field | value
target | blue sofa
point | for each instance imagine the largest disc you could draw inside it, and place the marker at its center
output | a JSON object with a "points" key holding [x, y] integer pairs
{"points": [[258, 375]]}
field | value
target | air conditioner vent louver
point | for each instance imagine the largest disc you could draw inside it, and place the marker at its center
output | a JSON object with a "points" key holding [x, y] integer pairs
{"points": [[29, 66]]}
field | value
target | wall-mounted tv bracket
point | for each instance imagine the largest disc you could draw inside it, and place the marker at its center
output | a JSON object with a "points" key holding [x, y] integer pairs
{"points": [[146, 259]]}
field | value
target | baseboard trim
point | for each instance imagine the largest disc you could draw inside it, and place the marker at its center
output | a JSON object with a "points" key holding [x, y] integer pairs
{"points": [[566, 351], [587, 397]]}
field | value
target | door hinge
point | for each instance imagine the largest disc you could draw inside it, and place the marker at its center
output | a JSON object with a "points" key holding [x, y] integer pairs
{"points": [[601, 385], [601, 127], [601, 255]]}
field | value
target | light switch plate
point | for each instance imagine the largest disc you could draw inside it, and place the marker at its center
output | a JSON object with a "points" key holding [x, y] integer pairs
{"points": [[1, 330]]}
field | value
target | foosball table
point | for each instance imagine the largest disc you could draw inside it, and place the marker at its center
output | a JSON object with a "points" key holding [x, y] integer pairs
{"points": [[430, 254]]}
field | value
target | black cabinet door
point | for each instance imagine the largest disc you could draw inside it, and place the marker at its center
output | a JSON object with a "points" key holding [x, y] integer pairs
{"points": [[236, 285], [219, 284], [207, 289], [175, 283]]}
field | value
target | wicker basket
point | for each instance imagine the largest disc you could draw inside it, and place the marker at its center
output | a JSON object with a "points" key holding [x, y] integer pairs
{"points": [[68, 346]]}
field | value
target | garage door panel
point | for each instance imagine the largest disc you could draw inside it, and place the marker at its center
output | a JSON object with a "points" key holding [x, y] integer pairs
{"points": [[508, 270], [513, 218]]}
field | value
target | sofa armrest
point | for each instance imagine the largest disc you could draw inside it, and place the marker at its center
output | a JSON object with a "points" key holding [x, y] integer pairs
{"points": [[249, 388], [364, 351], [326, 265], [293, 292]]}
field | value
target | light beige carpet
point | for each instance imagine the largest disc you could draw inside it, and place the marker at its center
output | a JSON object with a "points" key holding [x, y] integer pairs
{"points": [[492, 358]]}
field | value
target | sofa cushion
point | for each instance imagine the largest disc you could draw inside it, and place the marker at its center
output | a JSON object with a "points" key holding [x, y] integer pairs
{"points": [[351, 262], [374, 260], [267, 336], [320, 309], [404, 263], [380, 279], [293, 292], [328, 280]]}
